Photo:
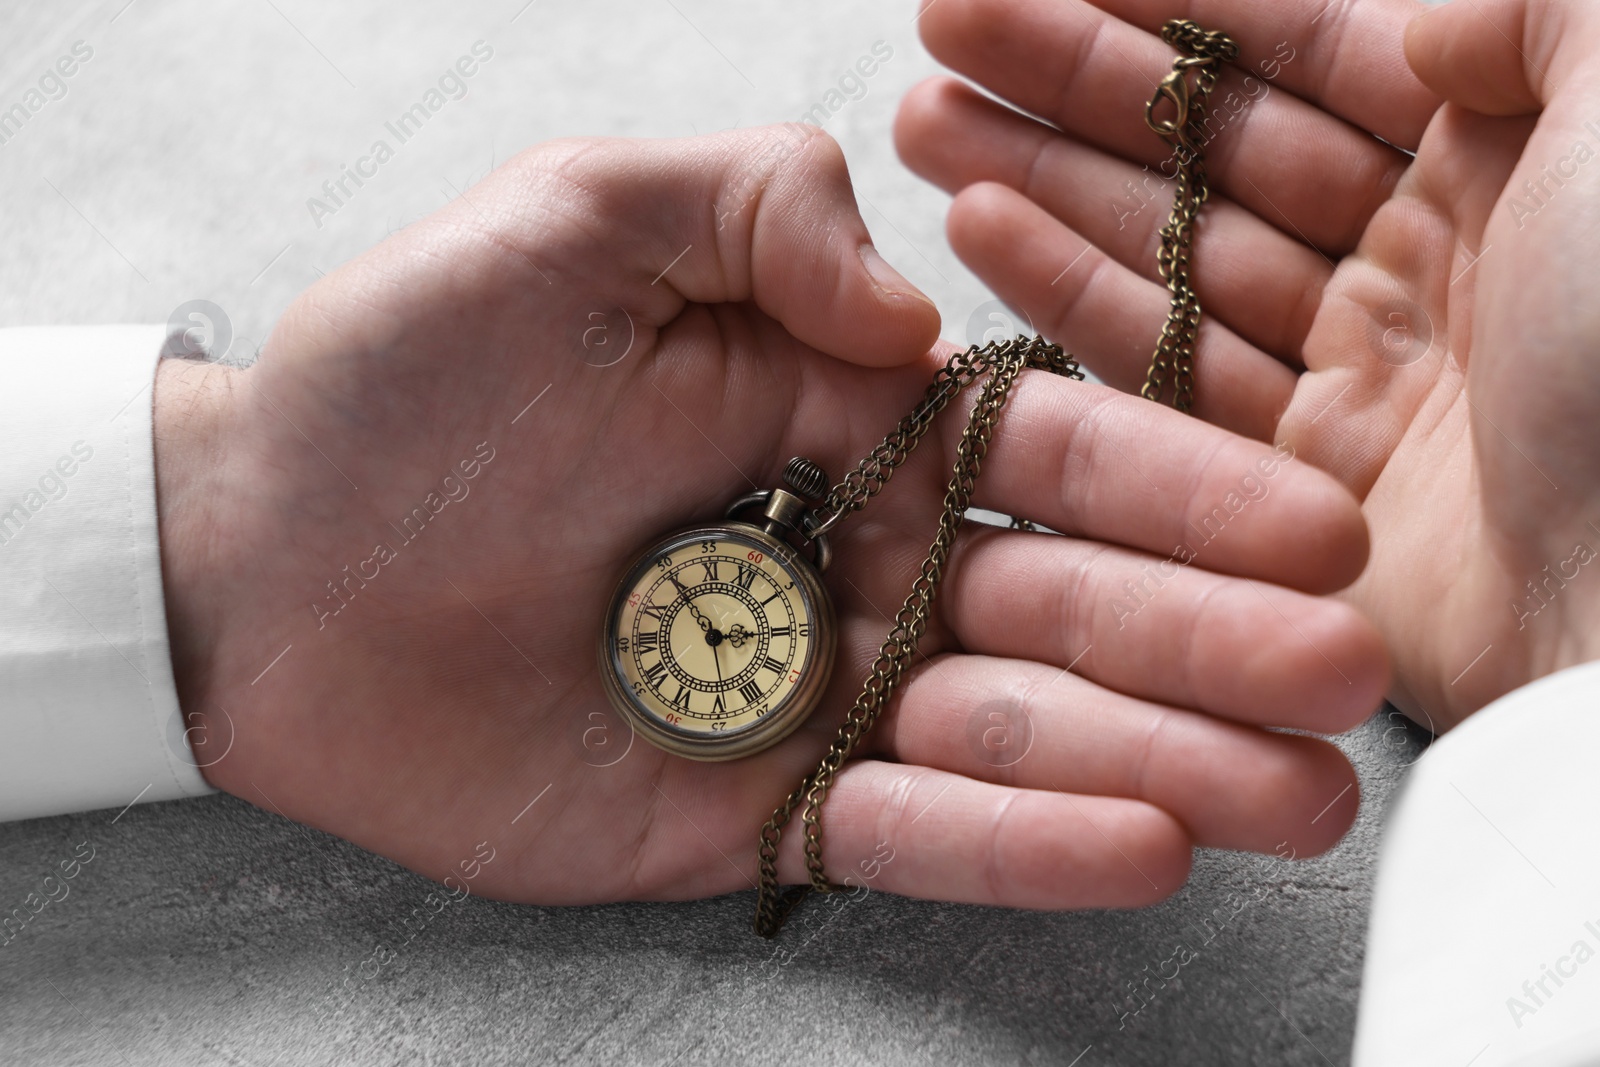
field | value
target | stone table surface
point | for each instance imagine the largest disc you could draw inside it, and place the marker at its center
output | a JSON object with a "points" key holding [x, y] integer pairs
{"points": [[177, 165]]}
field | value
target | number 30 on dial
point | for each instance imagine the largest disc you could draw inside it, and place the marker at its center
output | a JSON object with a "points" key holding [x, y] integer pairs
{"points": [[718, 643]]}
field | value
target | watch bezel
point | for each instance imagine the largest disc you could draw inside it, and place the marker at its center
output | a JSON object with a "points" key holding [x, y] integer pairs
{"points": [[792, 710]]}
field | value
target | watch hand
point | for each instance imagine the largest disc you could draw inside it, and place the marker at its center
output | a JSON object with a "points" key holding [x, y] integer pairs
{"points": [[705, 623]]}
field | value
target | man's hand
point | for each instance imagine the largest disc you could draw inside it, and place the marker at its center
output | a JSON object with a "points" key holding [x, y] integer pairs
{"points": [[1422, 329], [390, 543]]}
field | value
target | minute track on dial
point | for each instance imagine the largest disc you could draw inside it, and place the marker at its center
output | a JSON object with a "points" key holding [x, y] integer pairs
{"points": [[717, 638], [756, 604]]}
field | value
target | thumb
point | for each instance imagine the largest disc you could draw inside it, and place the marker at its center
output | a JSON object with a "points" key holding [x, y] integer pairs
{"points": [[1500, 57], [766, 215]]}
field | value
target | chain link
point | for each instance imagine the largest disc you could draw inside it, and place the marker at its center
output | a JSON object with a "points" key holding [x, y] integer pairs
{"points": [[1002, 363], [874, 472], [1204, 54]]}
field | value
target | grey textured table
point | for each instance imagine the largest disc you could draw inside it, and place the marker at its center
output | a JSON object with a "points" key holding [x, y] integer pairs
{"points": [[177, 165]]}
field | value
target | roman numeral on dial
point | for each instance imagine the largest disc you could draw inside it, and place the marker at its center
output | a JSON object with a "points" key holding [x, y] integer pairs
{"points": [[751, 692], [747, 574], [655, 674]]}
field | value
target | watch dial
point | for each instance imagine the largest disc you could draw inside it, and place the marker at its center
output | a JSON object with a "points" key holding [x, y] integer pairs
{"points": [[713, 636]]}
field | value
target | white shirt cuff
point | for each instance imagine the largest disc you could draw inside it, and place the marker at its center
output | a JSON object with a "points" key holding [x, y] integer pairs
{"points": [[1484, 944], [88, 707]]}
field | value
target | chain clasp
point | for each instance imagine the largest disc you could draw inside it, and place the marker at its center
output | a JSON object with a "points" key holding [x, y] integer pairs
{"points": [[1175, 88]]}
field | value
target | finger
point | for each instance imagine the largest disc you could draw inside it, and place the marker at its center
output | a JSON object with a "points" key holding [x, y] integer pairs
{"points": [[1502, 57], [766, 215], [926, 833], [1029, 726], [1084, 460], [1165, 629], [1345, 59], [1310, 174], [1105, 313], [1261, 284]]}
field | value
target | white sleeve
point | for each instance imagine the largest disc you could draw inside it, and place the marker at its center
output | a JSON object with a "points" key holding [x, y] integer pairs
{"points": [[1484, 944], [88, 709]]}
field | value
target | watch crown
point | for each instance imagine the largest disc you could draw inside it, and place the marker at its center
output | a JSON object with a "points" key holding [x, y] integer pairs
{"points": [[806, 478]]}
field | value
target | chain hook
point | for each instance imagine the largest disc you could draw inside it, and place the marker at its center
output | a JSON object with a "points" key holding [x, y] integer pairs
{"points": [[1175, 88]]}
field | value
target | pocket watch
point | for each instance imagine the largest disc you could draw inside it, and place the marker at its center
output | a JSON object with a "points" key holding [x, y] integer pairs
{"points": [[720, 638]]}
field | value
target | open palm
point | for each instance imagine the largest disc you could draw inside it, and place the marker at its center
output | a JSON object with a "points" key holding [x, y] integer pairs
{"points": [[485, 417], [1420, 327]]}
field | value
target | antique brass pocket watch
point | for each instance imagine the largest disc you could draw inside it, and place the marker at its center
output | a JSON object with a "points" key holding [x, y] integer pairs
{"points": [[720, 641], [720, 638]]}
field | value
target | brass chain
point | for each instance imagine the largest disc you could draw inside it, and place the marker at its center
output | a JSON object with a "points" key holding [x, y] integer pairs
{"points": [[1003, 363], [1204, 54], [873, 473]]}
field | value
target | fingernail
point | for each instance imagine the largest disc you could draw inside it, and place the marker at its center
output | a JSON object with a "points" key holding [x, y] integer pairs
{"points": [[887, 278]]}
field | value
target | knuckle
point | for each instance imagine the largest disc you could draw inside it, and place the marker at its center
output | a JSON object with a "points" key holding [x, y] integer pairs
{"points": [[790, 146], [564, 157], [761, 159], [994, 870]]}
